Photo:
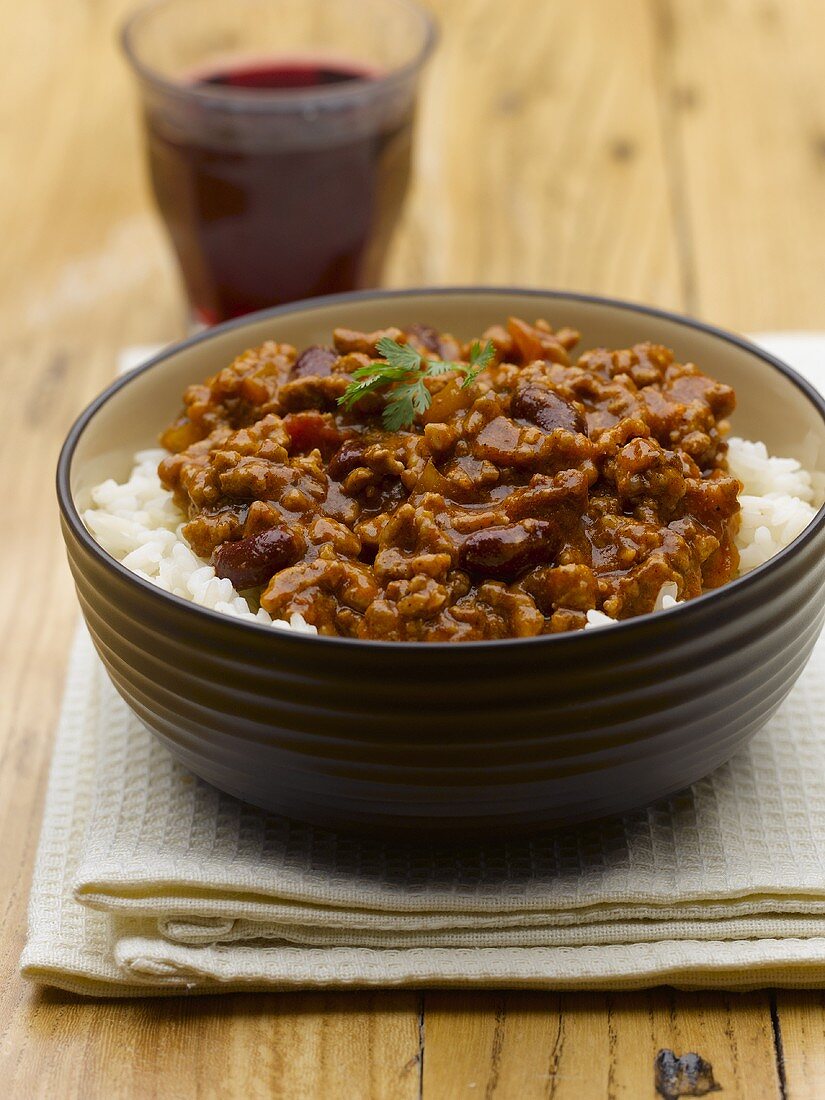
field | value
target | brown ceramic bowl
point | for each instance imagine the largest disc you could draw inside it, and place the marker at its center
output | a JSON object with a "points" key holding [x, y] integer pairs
{"points": [[470, 737]]}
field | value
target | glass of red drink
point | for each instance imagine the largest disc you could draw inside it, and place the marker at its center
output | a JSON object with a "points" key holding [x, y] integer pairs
{"points": [[278, 135]]}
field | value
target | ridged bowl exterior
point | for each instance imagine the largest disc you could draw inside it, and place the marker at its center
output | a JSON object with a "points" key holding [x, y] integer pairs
{"points": [[467, 738]]}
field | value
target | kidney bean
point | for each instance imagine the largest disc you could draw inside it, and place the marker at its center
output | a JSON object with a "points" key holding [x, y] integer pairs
{"points": [[252, 561], [544, 408], [316, 360], [427, 336], [505, 552], [347, 458]]}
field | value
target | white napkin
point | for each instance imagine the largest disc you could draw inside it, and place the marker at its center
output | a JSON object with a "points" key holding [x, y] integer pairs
{"points": [[149, 881]]}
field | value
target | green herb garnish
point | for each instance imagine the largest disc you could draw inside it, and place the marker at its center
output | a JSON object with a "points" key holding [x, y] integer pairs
{"points": [[404, 371]]}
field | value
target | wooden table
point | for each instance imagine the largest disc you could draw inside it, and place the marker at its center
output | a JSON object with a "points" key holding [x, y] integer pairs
{"points": [[671, 151]]}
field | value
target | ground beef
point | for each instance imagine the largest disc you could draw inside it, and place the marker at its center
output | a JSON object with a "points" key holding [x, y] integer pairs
{"points": [[514, 505]]}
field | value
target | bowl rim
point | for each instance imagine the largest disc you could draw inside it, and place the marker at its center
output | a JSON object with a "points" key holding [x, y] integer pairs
{"points": [[641, 624]]}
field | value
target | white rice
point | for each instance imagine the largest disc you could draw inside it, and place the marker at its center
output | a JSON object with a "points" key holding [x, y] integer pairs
{"points": [[778, 501], [139, 524]]}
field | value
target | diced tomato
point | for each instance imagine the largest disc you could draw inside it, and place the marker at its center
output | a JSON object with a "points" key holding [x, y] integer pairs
{"points": [[308, 430]]}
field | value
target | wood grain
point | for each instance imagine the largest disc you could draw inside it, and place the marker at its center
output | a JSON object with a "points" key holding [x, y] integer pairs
{"points": [[801, 1016], [745, 103], [666, 150], [570, 1046], [338, 1046], [541, 160]]}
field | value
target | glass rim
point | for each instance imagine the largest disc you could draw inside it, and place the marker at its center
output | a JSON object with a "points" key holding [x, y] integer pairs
{"points": [[268, 99]]}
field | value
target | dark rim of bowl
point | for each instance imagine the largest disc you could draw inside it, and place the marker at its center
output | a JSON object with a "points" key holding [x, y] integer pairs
{"points": [[621, 630]]}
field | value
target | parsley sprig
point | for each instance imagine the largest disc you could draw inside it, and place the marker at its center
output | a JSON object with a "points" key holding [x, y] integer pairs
{"points": [[403, 370]]}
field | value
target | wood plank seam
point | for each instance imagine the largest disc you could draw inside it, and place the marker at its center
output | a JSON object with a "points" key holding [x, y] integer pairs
{"points": [[664, 34], [421, 1025], [778, 1047]]}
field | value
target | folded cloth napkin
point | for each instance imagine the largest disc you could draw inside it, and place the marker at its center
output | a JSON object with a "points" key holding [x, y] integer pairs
{"points": [[149, 881]]}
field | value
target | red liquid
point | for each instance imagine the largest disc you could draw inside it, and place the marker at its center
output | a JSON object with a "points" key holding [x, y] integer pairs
{"points": [[257, 220], [296, 74]]}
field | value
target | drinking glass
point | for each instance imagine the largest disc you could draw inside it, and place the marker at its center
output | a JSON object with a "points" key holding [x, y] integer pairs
{"points": [[278, 137]]}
